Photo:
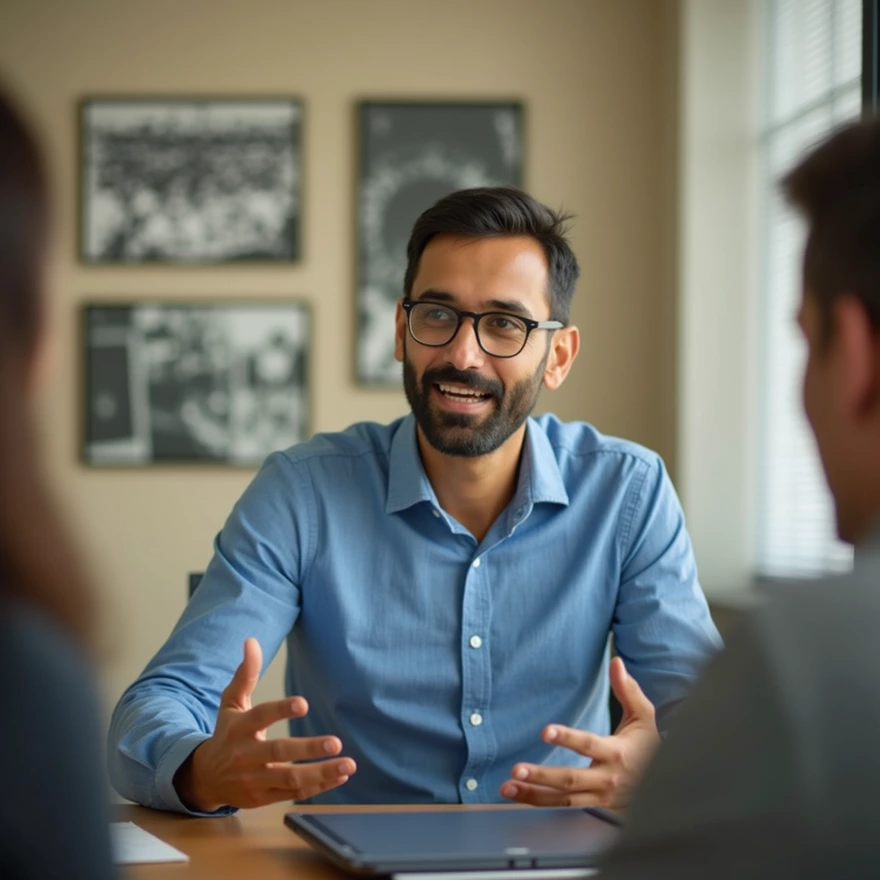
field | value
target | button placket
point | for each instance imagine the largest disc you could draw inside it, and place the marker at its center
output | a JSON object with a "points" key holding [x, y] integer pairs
{"points": [[476, 677]]}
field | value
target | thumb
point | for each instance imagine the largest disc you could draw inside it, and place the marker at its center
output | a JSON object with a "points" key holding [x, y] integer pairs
{"points": [[634, 703], [238, 692]]}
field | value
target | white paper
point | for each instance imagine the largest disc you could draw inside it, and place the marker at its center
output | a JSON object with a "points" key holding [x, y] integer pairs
{"points": [[134, 846]]}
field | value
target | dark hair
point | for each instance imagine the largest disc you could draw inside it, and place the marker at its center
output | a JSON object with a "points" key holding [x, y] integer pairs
{"points": [[837, 189], [492, 211], [37, 560]]}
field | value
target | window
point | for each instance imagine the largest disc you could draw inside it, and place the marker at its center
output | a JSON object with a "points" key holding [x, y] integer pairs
{"points": [[871, 55], [812, 83]]}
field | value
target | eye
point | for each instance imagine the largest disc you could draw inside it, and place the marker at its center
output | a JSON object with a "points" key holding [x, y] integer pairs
{"points": [[437, 313], [504, 323]]}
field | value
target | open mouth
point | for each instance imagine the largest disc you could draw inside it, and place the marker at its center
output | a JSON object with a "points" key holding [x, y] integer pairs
{"points": [[461, 394]]}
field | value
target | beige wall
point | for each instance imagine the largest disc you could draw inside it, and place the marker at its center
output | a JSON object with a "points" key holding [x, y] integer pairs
{"points": [[597, 78], [718, 314]]}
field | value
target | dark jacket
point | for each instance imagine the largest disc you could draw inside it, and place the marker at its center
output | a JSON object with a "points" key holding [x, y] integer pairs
{"points": [[53, 800], [772, 769]]}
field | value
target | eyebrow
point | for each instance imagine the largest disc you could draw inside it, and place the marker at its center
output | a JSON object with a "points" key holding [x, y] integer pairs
{"points": [[503, 305]]}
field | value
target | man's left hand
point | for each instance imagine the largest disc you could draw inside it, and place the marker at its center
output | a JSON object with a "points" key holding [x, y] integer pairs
{"points": [[618, 760]]}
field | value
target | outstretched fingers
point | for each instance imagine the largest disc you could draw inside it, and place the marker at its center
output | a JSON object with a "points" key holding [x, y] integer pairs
{"points": [[264, 715], [237, 694], [590, 745], [631, 697]]}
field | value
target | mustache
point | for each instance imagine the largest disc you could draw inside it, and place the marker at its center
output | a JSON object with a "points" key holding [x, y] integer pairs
{"points": [[474, 381]]}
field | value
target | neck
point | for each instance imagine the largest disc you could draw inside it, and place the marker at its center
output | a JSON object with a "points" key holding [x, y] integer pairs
{"points": [[474, 490]]}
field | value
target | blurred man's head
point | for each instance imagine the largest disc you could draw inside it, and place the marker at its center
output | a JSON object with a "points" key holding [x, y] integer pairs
{"points": [[38, 562], [837, 189]]}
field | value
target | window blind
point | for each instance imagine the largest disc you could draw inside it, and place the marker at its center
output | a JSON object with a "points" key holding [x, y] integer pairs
{"points": [[812, 84]]}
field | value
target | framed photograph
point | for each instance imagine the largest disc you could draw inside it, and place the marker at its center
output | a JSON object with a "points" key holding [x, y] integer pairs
{"points": [[190, 181], [411, 155], [215, 382]]}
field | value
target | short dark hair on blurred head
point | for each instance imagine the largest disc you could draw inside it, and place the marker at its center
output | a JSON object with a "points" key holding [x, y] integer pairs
{"points": [[23, 233], [39, 562], [837, 189], [493, 212]]}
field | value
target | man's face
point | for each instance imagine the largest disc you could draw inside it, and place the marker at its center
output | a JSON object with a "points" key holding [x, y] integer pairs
{"points": [[836, 386], [816, 398], [507, 274]]}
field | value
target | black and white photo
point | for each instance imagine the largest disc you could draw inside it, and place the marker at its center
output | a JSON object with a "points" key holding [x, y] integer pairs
{"points": [[411, 155], [167, 382], [190, 181]]}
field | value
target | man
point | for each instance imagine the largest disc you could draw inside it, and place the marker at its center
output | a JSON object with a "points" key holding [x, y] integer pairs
{"points": [[447, 583], [772, 769]]}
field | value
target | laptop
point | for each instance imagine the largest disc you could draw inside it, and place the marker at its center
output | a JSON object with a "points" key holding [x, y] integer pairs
{"points": [[563, 842]]}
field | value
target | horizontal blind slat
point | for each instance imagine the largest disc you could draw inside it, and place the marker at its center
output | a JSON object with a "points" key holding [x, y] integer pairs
{"points": [[814, 67]]}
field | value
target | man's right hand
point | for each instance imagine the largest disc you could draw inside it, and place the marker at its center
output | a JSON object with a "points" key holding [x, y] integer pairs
{"points": [[239, 767]]}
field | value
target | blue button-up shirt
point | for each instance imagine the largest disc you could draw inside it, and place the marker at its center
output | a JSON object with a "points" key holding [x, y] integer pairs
{"points": [[436, 659]]}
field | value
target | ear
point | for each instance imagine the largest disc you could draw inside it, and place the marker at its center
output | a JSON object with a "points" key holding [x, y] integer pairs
{"points": [[856, 347], [399, 331], [563, 351]]}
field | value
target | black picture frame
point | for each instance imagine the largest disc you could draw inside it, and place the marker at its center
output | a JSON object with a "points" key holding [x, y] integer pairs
{"points": [[222, 382], [411, 153], [190, 180]]}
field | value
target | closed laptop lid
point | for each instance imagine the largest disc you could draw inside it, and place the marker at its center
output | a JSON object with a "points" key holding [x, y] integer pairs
{"points": [[384, 842]]}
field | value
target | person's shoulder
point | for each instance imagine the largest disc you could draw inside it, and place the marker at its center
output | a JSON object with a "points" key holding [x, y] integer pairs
{"points": [[57, 669], [817, 644], [50, 754], [46, 675], [834, 615], [817, 640], [581, 440], [362, 439]]}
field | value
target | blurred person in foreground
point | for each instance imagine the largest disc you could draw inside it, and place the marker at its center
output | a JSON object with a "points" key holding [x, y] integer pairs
{"points": [[772, 768], [53, 814]]}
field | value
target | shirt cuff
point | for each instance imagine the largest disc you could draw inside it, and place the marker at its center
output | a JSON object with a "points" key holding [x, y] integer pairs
{"points": [[169, 765]]}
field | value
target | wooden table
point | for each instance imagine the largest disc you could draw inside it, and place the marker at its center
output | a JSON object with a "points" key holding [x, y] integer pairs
{"points": [[251, 845]]}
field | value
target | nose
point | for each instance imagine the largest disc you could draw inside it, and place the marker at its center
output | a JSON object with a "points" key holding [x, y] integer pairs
{"points": [[463, 352]]}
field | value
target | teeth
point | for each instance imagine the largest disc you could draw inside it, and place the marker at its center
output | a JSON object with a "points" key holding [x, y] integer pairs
{"points": [[461, 392]]}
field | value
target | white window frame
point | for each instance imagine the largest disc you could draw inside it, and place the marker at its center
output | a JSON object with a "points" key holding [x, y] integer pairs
{"points": [[794, 513], [719, 278]]}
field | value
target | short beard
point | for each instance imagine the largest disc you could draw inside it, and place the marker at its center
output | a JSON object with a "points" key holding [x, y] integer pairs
{"points": [[464, 435]]}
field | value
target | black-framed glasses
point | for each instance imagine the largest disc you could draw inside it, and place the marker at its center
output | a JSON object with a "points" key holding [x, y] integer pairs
{"points": [[499, 334]]}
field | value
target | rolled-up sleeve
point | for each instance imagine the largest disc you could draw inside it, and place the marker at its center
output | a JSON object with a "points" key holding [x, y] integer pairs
{"points": [[662, 627], [250, 588]]}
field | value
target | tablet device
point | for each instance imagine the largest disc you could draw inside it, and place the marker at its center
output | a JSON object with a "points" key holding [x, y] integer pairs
{"points": [[478, 839]]}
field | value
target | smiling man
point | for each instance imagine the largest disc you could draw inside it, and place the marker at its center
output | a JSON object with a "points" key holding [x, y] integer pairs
{"points": [[471, 392], [446, 584]]}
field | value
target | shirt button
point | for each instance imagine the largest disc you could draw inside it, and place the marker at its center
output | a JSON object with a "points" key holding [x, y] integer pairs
{"points": [[476, 719], [519, 513], [476, 642], [471, 784], [476, 562], [436, 513]]}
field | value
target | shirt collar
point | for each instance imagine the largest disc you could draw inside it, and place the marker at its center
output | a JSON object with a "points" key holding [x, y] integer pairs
{"points": [[540, 480], [408, 484], [539, 476]]}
